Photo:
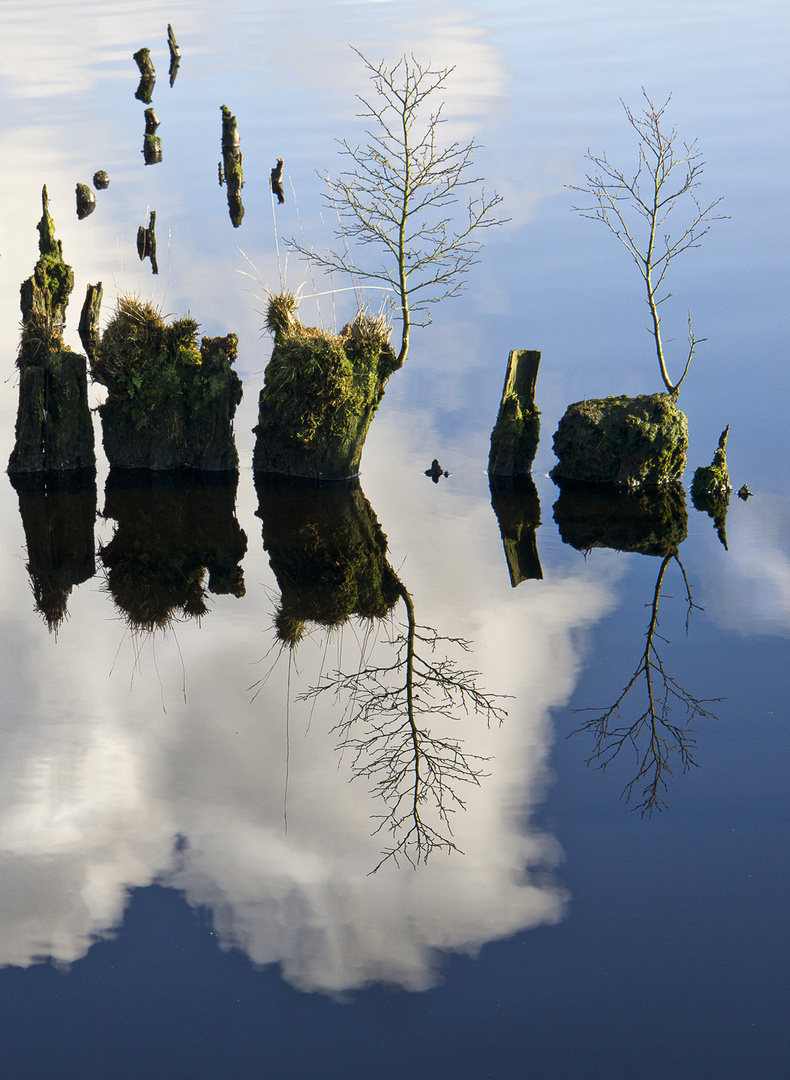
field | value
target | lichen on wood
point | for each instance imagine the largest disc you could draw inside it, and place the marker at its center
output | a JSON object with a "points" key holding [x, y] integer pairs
{"points": [[320, 394], [170, 402], [54, 429], [630, 442]]}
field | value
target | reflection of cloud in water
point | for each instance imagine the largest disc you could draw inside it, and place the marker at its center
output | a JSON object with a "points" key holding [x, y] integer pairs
{"points": [[754, 596], [91, 806]]}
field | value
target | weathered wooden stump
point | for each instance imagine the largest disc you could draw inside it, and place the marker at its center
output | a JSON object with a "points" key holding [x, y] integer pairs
{"points": [[710, 488], [145, 90], [175, 54], [152, 144], [54, 428], [514, 440]]}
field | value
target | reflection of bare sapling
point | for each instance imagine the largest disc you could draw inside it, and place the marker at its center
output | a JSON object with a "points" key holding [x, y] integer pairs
{"points": [[58, 513], [175, 53], [152, 144], [146, 242], [276, 181], [232, 163], [387, 728], [172, 527], [654, 738], [329, 556], [516, 504], [145, 90]]}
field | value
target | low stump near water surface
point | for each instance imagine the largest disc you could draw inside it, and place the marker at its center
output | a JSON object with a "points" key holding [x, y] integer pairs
{"points": [[630, 442]]}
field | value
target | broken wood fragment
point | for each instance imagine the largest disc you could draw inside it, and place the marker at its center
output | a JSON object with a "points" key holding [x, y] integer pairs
{"points": [[146, 242]]}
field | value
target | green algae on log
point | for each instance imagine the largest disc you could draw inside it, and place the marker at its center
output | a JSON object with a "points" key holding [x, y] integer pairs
{"points": [[514, 440], [54, 428], [171, 403], [631, 442], [320, 394], [233, 160], [328, 553], [653, 522]]}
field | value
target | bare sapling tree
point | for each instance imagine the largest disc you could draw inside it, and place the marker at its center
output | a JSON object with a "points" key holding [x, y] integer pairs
{"points": [[395, 202], [636, 208]]}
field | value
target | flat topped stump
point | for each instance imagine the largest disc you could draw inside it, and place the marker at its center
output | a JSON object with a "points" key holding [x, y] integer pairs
{"points": [[630, 442]]}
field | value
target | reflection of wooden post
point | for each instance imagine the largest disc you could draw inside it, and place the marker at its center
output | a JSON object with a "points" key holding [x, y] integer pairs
{"points": [[514, 440], [517, 507]]}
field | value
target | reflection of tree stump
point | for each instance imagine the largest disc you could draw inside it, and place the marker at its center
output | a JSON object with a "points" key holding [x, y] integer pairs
{"points": [[517, 507], [327, 551], [58, 515], [653, 523], [54, 428], [172, 527]]}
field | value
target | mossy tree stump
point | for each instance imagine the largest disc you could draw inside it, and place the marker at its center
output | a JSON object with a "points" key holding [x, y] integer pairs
{"points": [[170, 403], [54, 429], [630, 442], [320, 394]]}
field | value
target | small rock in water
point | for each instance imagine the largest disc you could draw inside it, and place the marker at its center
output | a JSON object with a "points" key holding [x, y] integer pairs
{"points": [[101, 180], [435, 471], [744, 493], [86, 201]]}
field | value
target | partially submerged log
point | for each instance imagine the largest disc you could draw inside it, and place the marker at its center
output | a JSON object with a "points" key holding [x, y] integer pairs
{"points": [[146, 242], [328, 553], [320, 394], [630, 442], [232, 160], [144, 62], [175, 53], [54, 428], [514, 440], [86, 201], [171, 528], [170, 402], [276, 181], [152, 144]]}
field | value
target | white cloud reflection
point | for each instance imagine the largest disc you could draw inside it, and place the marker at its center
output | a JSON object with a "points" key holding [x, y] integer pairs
{"points": [[98, 782]]}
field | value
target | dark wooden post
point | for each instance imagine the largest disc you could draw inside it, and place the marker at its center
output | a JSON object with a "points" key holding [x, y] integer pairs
{"points": [[514, 440]]}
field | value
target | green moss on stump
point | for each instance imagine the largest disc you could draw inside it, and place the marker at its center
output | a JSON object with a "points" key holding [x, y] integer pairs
{"points": [[631, 442], [171, 402], [320, 394]]}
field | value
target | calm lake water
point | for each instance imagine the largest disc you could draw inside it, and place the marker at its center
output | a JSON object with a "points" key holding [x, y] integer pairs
{"points": [[186, 841]]}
